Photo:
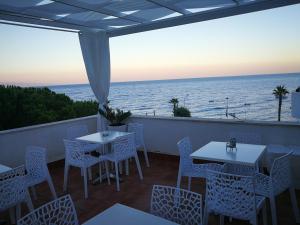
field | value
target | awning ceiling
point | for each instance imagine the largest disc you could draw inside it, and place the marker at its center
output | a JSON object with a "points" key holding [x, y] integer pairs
{"points": [[121, 17]]}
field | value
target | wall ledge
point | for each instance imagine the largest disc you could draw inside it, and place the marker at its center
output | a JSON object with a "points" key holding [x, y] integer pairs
{"points": [[21, 129], [228, 121], [190, 119]]}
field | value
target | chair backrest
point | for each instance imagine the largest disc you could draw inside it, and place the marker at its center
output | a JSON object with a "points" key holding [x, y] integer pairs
{"points": [[177, 205], [230, 195], [74, 152], [246, 137], [185, 149], [12, 187], [58, 211], [138, 130], [124, 147], [281, 173], [77, 131], [36, 162]]}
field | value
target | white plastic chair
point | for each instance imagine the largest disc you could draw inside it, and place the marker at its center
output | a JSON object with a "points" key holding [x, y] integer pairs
{"points": [[122, 149], [138, 130], [177, 205], [13, 192], [188, 168], [58, 211], [233, 196], [37, 170], [280, 180], [75, 156]]}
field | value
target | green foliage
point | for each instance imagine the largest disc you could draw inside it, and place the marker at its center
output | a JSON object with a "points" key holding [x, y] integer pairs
{"points": [[179, 111], [182, 112], [298, 89], [21, 107], [114, 116]]}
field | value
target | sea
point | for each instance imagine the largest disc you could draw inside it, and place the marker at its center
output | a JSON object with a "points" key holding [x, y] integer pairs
{"points": [[239, 97]]}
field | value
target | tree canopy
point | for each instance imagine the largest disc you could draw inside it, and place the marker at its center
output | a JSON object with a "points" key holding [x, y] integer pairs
{"points": [[21, 107]]}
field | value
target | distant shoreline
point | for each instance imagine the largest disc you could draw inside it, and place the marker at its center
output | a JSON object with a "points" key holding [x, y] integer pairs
{"points": [[163, 80], [182, 79]]}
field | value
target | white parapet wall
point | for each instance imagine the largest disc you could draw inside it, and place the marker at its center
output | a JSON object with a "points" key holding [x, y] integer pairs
{"points": [[13, 142], [161, 135]]}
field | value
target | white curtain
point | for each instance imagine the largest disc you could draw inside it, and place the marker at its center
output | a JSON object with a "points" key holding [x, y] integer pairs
{"points": [[95, 51]]}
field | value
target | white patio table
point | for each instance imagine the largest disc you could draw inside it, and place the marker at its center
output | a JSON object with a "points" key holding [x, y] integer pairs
{"points": [[244, 154], [120, 214], [4, 168], [101, 138], [104, 138]]}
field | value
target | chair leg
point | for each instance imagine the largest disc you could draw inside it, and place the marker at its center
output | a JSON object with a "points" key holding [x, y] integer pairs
{"points": [[221, 220], [205, 216], [121, 167], [146, 156], [179, 178], [66, 177], [90, 173], [18, 211], [28, 201], [273, 210], [294, 204], [189, 183], [33, 192], [117, 176], [85, 182], [51, 186], [100, 172], [127, 167], [264, 214], [107, 172], [137, 161]]}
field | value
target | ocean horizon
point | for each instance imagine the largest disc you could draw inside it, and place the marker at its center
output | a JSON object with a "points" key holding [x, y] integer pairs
{"points": [[249, 97]]}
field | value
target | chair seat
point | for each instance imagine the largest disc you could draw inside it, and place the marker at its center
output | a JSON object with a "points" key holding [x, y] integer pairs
{"points": [[199, 170], [88, 161], [31, 180]]}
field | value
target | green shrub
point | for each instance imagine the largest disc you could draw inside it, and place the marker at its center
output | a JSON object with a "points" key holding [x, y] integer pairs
{"points": [[181, 112], [21, 107]]}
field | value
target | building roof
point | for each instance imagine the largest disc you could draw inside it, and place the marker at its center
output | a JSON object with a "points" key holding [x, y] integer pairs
{"points": [[121, 17]]}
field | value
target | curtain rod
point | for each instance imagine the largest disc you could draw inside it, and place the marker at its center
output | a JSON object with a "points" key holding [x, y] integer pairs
{"points": [[39, 27]]}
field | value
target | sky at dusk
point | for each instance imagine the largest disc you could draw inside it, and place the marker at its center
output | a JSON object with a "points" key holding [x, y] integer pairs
{"points": [[257, 43]]}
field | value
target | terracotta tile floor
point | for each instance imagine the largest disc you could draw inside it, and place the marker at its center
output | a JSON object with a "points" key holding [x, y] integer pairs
{"points": [[136, 193]]}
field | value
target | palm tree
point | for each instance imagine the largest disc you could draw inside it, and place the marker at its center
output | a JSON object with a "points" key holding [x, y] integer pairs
{"points": [[280, 92], [175, 102]]}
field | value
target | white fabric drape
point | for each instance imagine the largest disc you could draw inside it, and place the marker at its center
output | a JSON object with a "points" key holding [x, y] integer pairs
{"points": [[95, 51]]}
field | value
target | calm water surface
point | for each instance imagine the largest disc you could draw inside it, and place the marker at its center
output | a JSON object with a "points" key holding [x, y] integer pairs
{"points": [[249, 97]]}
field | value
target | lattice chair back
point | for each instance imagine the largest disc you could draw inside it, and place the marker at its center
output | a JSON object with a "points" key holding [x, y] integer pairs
{"points": [[246, 137], [177, 205], [230, 195], [59, 211], [76, 131], [185, 149], [12, 187], [124, 147], [138, 130], [281, 174], [36, 162], [75, 155]]}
